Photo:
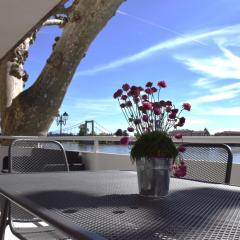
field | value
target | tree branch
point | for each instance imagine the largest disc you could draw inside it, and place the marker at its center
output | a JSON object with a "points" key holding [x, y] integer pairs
{"points": [[50, 22], [32, 112]]}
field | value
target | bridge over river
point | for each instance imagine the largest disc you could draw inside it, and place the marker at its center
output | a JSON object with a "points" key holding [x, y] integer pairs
{"points": [[88, 127]]}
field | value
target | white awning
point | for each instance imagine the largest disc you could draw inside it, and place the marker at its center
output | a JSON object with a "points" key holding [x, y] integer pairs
{"points": [[18, 17]]}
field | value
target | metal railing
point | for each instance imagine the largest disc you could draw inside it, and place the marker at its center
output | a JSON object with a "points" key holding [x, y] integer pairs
{"points": [[96, 139], [122, 161]]}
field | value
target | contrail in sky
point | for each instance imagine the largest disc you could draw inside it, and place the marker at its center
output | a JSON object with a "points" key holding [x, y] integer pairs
{"points": [[158, 26]]}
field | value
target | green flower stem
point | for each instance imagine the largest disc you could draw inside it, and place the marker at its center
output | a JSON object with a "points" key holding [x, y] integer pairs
{"points": [[124, 113], [134, 114], [162, 124], [159, 94]]}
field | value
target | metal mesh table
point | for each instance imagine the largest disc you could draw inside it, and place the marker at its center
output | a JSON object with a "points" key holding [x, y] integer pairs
{"points": [[107, 204]]}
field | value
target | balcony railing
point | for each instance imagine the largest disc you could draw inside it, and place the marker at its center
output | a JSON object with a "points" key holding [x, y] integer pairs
{"points": [[96, 160], [96, 139]]}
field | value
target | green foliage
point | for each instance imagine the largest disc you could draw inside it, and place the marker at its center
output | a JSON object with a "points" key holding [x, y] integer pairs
{"points": [[154, 144], [121, 132]]}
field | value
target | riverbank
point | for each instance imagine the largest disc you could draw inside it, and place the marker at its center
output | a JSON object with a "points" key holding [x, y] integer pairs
{"points": [[123, 149]]}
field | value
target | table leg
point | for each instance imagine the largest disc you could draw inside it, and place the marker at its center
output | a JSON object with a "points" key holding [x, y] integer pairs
{"points": [[4, 216]]}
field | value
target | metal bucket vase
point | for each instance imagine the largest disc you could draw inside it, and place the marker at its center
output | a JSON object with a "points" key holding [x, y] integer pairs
{"points": [[153, 176]]}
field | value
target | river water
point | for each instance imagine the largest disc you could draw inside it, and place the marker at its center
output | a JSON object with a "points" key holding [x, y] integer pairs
{"points": [[123, 149]]}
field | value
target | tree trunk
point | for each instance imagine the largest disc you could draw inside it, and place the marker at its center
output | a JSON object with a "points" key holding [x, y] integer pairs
{"points": [[32, 111], [10, 86]]}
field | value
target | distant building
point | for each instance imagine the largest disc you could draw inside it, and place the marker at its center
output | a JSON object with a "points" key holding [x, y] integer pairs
{"points": [[188, 132], [105, 134], [228, 133]]}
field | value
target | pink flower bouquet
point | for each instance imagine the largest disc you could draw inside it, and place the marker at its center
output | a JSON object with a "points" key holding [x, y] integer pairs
{"points": [[151, 119]]}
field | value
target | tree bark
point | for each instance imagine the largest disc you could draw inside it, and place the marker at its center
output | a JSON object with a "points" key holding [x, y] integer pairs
{"points": [[10, 86], [33, 110]]}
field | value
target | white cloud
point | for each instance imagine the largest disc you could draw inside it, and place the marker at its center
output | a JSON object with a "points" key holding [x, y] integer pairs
{"points": [[227, 111], [204, 83], [191, 122], [169, 44], [223, 66], [234, 86], [223, 41], [196, 123], [215, 97], [88, 109], [90, 105], [102, 110]]}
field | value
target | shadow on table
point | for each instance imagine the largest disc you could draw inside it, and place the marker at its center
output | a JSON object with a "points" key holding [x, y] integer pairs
{"points": [[182, 213]]}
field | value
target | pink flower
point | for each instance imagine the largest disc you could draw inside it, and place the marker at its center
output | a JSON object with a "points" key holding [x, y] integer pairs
{"points": [[168, 109], [133, 88], [137, 121], [162, 103], [142, 109], [186, 106], [157, 111], [183, 169], [181, 148], [183, 166], [118, 93], [162, 84], [122, 105], [124, 140], [181, 121], [145, 118], [154, 89], [128, 103], [168, 103], [147, 105], [178, 136], [124, 97], [149, 84], [115, 95], [156, 104], [175, 110], [125, 87], [148, 91], [130, 129], [129, 93], [172, 115], [174, 166], [179, 173], [145, 97], [136, 92], [179, 170], [136, 99]]}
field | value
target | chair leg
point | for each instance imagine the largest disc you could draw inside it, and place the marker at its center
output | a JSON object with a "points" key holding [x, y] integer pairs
{"points": [[4, 217]]}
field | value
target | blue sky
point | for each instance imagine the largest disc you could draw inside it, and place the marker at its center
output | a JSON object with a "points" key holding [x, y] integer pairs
{"points": [[194, 45]]}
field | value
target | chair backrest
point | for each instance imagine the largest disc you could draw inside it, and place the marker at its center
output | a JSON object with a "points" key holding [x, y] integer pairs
{"points": [[30, 155], [208, 162]]}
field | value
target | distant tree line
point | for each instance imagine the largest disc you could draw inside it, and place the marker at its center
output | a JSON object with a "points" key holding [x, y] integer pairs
{"points": [[121, 132]]}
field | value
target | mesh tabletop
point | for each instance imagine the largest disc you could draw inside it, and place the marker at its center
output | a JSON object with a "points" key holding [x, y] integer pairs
{"points": [[107, 204]]}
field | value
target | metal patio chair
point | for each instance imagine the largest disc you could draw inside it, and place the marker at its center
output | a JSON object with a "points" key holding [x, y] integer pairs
{"points": [[208, 162], [34, 156]]}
